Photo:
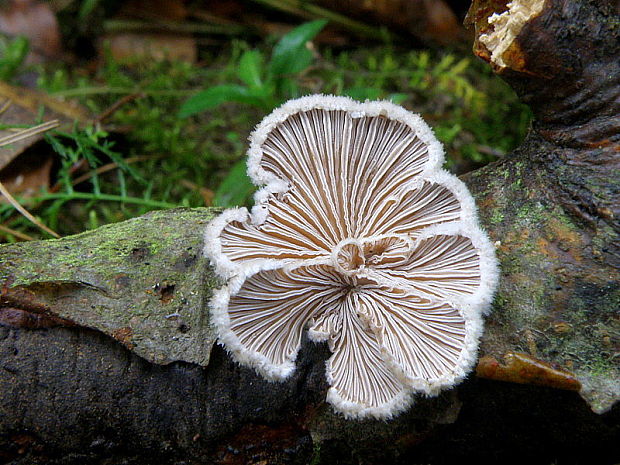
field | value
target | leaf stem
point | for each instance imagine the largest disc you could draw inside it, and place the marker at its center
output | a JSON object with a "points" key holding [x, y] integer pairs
{"points": [[103, 197]]}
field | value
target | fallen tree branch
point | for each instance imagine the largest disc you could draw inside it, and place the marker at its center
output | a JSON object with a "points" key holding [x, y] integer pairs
{"points": [[169, 393]]}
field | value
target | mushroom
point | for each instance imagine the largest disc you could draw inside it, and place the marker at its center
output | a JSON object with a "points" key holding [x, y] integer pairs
{"points": [[361, 239]]}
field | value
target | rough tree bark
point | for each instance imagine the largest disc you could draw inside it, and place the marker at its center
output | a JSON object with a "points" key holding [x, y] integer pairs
{"points": [[106, 353]]}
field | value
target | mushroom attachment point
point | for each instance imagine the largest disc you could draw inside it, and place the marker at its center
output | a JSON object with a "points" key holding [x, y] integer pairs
{"points": [[360, 238]]}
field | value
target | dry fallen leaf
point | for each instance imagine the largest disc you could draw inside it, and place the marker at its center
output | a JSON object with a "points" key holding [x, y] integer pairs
{"points": [[430, 20], [25, 107], [153, 46], [27, 174], [36, 21]]}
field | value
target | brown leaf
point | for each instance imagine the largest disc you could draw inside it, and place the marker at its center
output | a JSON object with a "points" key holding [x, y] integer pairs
{"points": [[442, 26], [36, 21], [171, 10], [524, 369], [152, 46], [430, 20], [27, 174], [23, 107]]}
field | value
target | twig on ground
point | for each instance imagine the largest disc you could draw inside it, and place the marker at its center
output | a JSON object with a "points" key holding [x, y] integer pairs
{"points": [[26, 213], [33, 131], [118, 104], [105, 169], [18, 234]]}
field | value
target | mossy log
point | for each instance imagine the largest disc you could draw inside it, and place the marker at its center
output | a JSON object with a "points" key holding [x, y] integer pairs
{"points": [[106, 353]]}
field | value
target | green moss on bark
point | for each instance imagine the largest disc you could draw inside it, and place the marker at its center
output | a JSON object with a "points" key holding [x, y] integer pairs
{"points": [[143, 281]]}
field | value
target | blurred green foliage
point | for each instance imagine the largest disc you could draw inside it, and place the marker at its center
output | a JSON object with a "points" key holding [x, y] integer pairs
{"points": [[12, 56], [266, 83], [181, 140]]}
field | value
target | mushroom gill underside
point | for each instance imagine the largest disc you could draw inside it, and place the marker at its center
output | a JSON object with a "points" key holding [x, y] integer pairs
{"points": [[360, 238]]}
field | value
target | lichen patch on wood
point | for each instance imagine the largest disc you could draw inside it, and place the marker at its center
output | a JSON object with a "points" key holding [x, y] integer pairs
{"points": [[143, 281]]}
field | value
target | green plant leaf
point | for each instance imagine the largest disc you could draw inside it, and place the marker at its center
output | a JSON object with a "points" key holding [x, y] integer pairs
{"points": [[397, 98], [363, 93], [290, 54], [447, 133], [87, 7], [12, 56], [217, 95], [236, 188], [250, 68]]}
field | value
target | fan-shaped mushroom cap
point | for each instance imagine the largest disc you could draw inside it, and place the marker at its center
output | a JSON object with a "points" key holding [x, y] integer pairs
{"points": [[361, 239]]}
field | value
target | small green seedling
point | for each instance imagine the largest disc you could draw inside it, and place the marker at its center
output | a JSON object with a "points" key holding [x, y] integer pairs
{"points": [[265, 84], [12, 56]]}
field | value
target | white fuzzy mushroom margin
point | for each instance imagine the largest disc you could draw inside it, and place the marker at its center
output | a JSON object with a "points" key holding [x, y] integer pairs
{"points": [[471, 307]]}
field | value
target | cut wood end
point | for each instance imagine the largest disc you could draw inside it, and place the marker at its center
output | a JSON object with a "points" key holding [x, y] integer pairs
{"points": [[496, 31]]}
